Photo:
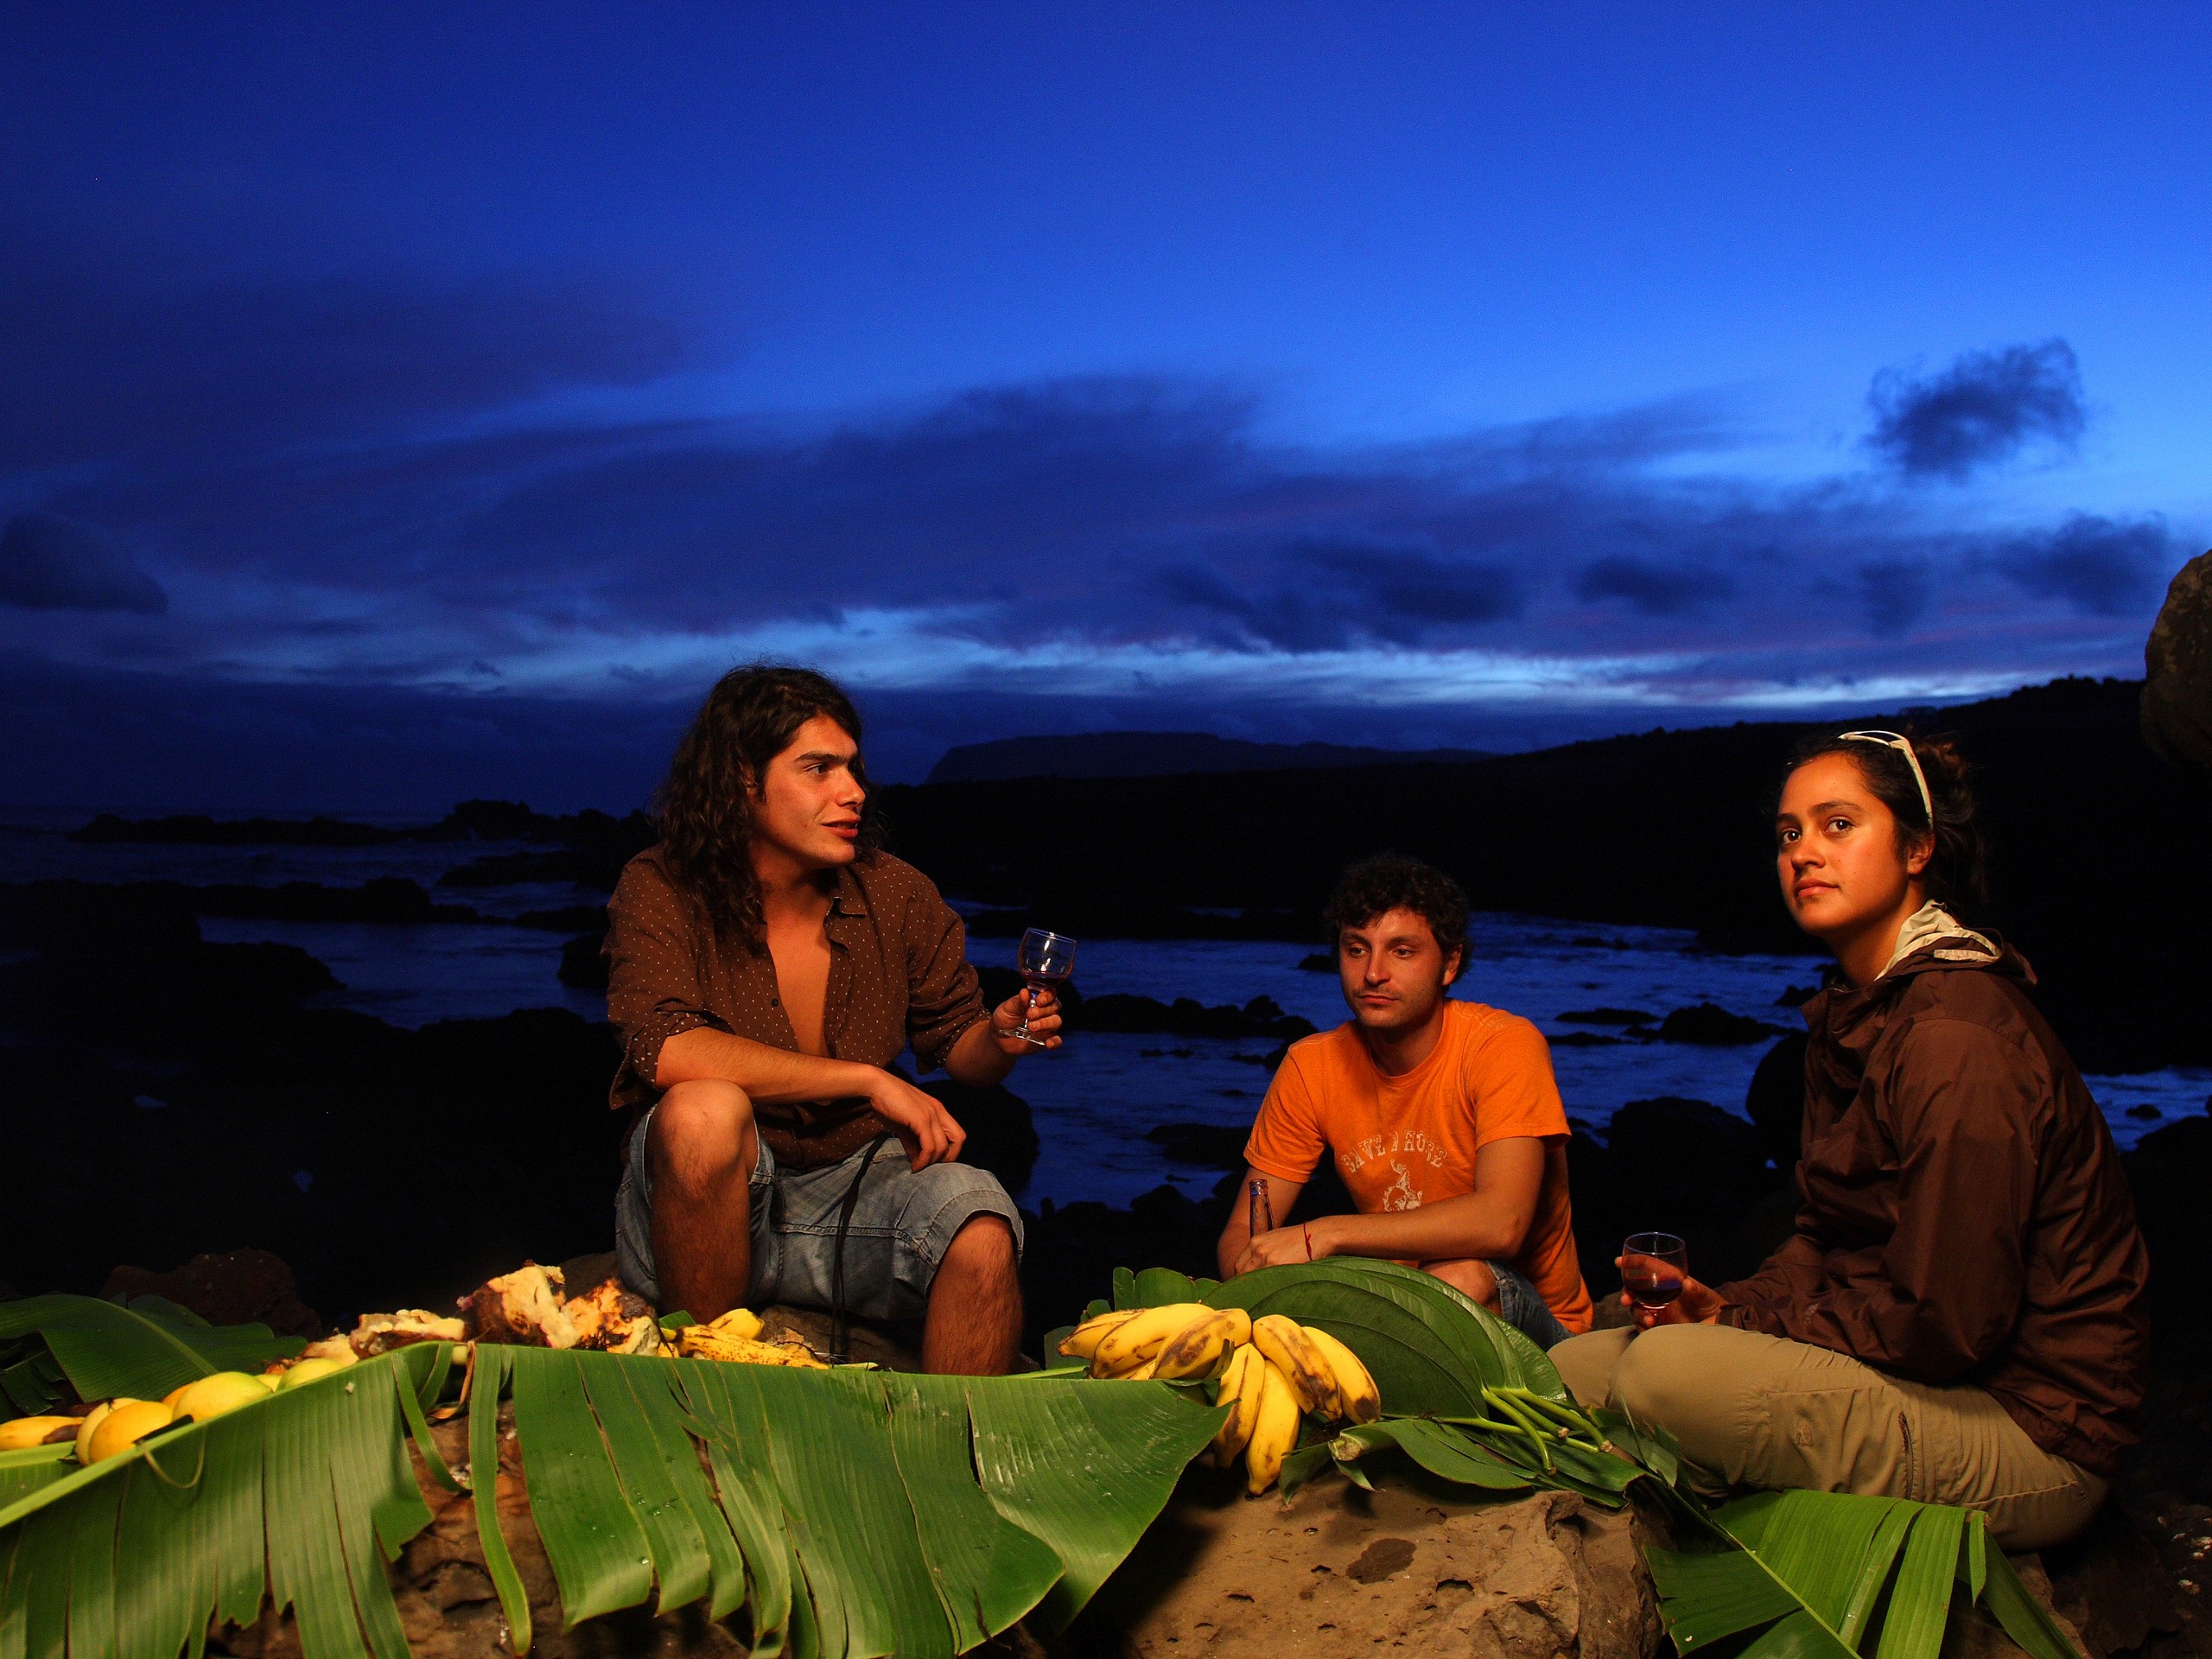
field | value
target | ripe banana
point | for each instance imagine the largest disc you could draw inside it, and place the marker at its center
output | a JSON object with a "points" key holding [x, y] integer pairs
{"points": [[704, 1342], [1200, 1349], [32, 1430], [1355, 1391], [1274, 1430], [1240, 1391], [1286, 1342], [1082, 1342], [739, 1322], [1141, 1338], [1133, 1368]]}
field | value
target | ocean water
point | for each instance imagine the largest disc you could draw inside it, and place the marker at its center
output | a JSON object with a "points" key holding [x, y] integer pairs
{"points": [[1094, 1099]]}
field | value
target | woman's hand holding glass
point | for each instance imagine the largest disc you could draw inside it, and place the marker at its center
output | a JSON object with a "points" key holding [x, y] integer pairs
{"points": [[1656, 1284]]}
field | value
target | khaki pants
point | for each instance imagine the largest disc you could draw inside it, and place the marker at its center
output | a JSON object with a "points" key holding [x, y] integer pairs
{"points": [[1764, 1411]]}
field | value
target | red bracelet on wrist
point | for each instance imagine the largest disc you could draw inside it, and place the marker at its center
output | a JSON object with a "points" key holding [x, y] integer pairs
{"points": [[1307, 1228]]}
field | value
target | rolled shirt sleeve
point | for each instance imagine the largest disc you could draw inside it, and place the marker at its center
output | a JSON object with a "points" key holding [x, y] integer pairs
{"points": [[944, 994], [655, 985]]}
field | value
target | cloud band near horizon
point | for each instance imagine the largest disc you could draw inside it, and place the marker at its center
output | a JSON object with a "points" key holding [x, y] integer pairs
{"points": [[420, 504]]}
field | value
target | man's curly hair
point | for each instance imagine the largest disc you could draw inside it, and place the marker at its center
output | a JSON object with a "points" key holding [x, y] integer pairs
{"points": [[1391, 882], [704, 808]]}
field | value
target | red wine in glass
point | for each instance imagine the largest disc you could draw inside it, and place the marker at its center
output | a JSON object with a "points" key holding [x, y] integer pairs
{"points": [[1046, 960], [1653, 1267]]}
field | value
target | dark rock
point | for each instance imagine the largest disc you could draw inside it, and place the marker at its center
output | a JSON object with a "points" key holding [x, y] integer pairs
{"points": [[1688, 1145], [1682, 1167], [593, 848], [2111, 1585], [1321, 962], [1119, 1012], [1001, 1136], [2145, 1111], [388, 1167], [1775, 1100], [387, 898], [196, 829], [2177, 705], [583, 964], [2170, 1170], [1713, 1027], [237, 1287], [570, 918], [1214, 1146], [1796, 996], [1607, 1017]]}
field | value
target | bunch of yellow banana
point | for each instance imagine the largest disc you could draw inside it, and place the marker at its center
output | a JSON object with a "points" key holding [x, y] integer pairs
{"points": [[1178, 1342], [1271, 1372]]}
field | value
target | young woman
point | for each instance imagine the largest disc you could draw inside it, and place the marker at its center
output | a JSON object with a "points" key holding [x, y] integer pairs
{"points": [[1961, 1316]]}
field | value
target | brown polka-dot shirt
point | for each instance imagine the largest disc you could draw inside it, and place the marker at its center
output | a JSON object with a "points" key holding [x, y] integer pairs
{"points": [[898, 973]]}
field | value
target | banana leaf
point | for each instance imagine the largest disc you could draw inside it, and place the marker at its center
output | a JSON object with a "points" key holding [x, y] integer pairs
{"points": [[1431, 1350], [848, 1513], [1820, 1575], [106, 1349]]}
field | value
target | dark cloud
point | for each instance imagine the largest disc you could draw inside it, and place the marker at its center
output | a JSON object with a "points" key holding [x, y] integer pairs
{"points": [[1983, 408], [49, 565], [1896, 593], [1144, 516], [1655, 587], [105, 362], [2102, 566]]}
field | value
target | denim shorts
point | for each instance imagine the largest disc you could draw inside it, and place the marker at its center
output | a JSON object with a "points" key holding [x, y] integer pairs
{"points": [[901, 1227], [1521, 1306]]}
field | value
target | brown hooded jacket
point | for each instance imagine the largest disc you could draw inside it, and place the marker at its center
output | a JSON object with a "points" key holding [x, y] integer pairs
{"points": [[1964, 1217]]}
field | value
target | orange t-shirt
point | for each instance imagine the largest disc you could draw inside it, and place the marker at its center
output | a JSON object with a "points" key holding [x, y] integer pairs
{"points": [[1402, 1142]]}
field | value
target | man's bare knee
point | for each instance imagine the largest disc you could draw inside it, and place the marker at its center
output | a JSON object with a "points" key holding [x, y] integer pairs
{"points": [[1469, 1276], [983, 1248], [702, 1132]]}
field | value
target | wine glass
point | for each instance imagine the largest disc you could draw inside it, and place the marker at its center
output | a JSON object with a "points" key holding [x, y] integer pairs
{"points": [[1653, 1267], [1046, 961]]}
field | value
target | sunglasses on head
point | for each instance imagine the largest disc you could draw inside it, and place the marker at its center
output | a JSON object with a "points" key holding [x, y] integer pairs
{"points": [[1903, 745]]}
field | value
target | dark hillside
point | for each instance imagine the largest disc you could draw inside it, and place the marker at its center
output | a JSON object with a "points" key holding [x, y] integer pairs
{"points": [[2101, 847]]}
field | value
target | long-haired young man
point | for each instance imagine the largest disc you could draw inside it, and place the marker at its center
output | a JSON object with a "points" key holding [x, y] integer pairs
{"points": [[767, 962]]}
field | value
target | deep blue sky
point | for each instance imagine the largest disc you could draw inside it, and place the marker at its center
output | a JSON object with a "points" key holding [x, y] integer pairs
{"points": [[394, 406]]}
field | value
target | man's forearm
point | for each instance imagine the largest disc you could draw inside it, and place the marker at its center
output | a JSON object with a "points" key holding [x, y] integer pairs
{"points": [[976, 1060], [1452, 1229], [771, 1076]]}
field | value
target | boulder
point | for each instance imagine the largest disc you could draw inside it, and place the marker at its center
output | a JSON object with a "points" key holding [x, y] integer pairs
{"points": [[2177, 709], [1711, 1026], [1340, 1570], [1336, 1571]]}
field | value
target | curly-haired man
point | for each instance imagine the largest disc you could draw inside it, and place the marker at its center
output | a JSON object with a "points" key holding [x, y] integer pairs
{"points": [[767, 962], [1442, 1116]]}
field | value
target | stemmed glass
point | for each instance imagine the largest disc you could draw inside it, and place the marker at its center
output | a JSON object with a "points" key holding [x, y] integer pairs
{"points": [[1653, 1267], [1046, 961]]}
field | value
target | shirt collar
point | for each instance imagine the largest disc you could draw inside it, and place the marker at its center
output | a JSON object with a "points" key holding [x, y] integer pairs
{"points": [[851, 896]]}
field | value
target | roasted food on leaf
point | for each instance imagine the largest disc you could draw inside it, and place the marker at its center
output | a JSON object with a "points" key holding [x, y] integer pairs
{"points": [[522, 1308], [705, 1342], [380, 1333], [618, 1321]]}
